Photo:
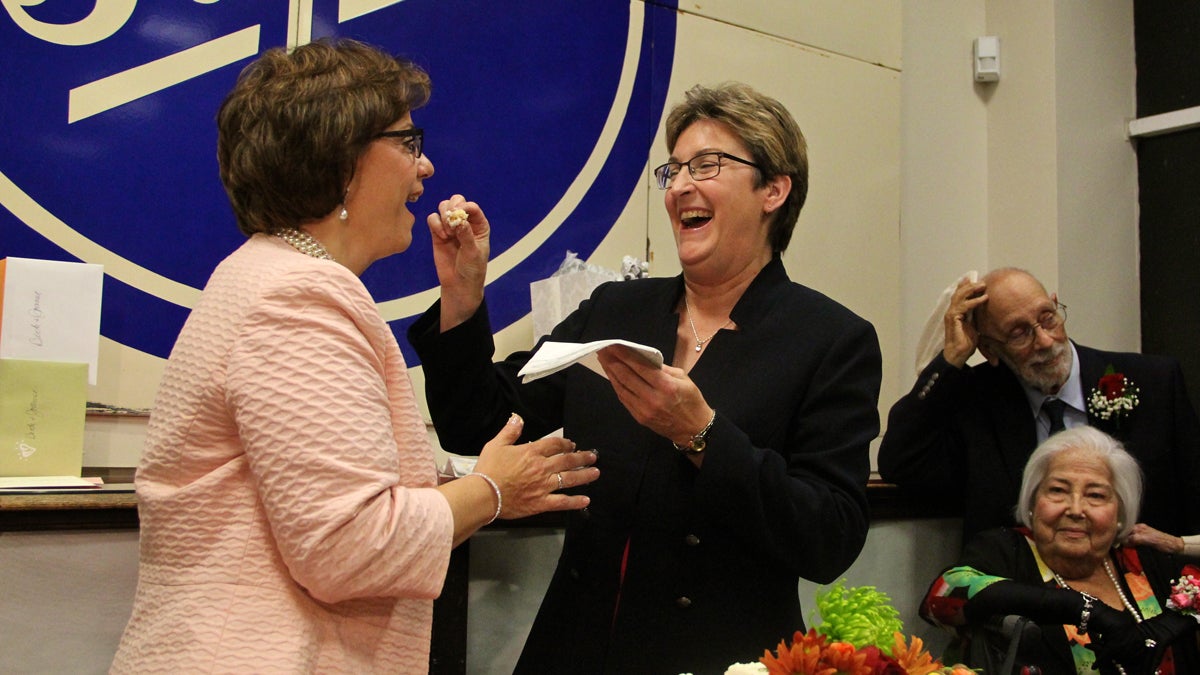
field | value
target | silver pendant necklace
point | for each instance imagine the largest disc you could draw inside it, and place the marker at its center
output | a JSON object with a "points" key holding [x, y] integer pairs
{"points": [[304, 243], [699, 341]]}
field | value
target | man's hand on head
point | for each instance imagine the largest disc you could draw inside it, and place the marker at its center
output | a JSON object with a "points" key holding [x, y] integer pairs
{"points": [[962, 337]]}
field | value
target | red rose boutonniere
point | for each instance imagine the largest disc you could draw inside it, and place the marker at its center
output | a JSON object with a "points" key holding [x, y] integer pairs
{"points": [[1114, 397]]}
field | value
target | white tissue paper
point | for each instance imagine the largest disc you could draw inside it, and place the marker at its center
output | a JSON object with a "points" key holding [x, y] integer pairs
{"points": [[933, 336], [552, 357], [552, 299]]}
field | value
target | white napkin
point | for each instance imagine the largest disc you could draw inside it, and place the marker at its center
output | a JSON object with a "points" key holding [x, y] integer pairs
{"points": [[552, 357], [933, 337]]}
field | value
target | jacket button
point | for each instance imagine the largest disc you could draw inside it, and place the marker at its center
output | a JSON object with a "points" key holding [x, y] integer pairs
{"points": [[683, 602], [574, 574], [691, 540]]}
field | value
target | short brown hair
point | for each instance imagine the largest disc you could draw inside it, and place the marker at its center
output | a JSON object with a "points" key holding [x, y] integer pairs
{"points": [[769, 133], [290, 132]]}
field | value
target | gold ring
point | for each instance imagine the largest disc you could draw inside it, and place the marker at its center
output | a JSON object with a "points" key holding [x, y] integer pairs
{"points": [[559, 477]]}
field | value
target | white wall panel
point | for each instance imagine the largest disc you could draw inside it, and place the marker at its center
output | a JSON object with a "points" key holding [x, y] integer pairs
{"points": [[846, 243], [868, 30]]}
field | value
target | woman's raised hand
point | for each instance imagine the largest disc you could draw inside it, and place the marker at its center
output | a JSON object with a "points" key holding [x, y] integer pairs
{"points": [[461, 245]]}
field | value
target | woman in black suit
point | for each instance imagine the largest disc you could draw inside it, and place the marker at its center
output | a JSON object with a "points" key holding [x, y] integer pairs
{"points": [[727, 474]]}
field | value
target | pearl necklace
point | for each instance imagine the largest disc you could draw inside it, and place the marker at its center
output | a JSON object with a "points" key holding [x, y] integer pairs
{"points": [[1137, 616], [304, 243], [701, 342]]}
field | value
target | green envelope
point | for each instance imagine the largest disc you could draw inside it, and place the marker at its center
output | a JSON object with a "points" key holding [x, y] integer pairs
{"points": [[42, 409]]}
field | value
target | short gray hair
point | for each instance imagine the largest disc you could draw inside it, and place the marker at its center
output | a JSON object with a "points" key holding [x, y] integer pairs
{"points": [[1126, 474]]}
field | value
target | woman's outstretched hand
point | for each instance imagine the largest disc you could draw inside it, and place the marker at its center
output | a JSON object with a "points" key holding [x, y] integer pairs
{"points": [[530, 475]]}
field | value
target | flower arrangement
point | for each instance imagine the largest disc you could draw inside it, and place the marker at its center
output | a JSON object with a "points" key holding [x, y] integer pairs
{"points": [[1114, 397], [861, 634], [1185, 595], [634, 268]]}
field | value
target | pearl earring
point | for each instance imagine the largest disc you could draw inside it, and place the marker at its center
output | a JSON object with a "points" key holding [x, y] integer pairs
{"points": [[343, 215]]}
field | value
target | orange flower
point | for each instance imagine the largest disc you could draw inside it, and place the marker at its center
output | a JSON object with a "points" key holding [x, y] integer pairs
{"points": [[802, 658], [914, 658], [845, 658]]}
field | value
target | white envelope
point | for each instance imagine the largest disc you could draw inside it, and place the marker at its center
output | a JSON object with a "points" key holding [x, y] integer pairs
{"points": [[552, 357], [50, 311]]}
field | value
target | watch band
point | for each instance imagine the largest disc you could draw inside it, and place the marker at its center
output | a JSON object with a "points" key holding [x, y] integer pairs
{"points": [[699, 441]]}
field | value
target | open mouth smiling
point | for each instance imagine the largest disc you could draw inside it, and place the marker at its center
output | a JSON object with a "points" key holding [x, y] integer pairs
{"points": [[693, 218]]}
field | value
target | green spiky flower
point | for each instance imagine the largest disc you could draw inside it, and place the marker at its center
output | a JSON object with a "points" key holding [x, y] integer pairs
{"points": [[860, 616]]}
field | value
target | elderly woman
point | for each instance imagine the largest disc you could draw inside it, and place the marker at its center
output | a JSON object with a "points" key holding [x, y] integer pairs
{"points": [[729, 473], [291, 517], [1101, 606]]}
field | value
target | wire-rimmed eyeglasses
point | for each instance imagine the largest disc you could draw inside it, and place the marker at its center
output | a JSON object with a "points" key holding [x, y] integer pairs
{"points": [[701, 167], [413, 139], [1050, 321]]}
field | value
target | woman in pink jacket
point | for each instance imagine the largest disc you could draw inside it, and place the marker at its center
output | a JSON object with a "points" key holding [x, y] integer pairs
{"points": [[291, 517]]}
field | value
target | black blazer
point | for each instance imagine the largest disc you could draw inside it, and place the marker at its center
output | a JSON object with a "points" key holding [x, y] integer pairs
{"points": [[964, 435], [711, 557]]}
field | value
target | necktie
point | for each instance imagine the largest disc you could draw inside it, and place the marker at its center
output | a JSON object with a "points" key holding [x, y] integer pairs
{"points": [[1054, 410]]}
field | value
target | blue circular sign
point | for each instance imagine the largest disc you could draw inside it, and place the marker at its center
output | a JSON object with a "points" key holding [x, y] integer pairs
{"points": [[544, 113]]}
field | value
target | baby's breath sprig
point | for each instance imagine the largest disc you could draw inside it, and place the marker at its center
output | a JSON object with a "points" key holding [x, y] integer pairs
{"points": [[1114, 397]]}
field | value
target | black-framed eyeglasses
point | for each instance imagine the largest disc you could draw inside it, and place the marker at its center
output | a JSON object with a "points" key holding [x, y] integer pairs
{"points": [[1050, 321], [413, 139], [701, 167]]}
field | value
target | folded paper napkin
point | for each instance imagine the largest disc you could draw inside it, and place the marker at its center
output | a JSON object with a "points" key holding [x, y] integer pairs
{"points": [[552, 357], [933, 336]]}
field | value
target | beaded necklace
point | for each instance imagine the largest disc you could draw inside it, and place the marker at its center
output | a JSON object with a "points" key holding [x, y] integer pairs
{"points": [[304, 243], [1137, 616]]}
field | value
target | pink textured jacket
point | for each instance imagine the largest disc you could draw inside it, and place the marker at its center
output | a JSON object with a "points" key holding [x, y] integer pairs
{"points": [[289, 517]]}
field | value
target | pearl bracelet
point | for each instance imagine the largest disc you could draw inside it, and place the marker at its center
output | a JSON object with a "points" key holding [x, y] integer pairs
{"points": [[496, 489]]}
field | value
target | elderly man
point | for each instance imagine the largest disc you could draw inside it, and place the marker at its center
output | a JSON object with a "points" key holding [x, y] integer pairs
{"points": [[963, 433]]}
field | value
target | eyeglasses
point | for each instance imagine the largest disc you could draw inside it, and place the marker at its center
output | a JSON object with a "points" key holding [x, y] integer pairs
{"points": [[413, 139], [1050, 321], [701, 167]]}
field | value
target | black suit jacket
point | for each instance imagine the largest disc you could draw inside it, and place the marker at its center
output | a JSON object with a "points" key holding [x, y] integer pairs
{"points": [[714, 555], [964, 435]]}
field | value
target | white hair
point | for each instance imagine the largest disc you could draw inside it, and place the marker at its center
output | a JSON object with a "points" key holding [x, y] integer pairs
{"points": [[1126, 474]]}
